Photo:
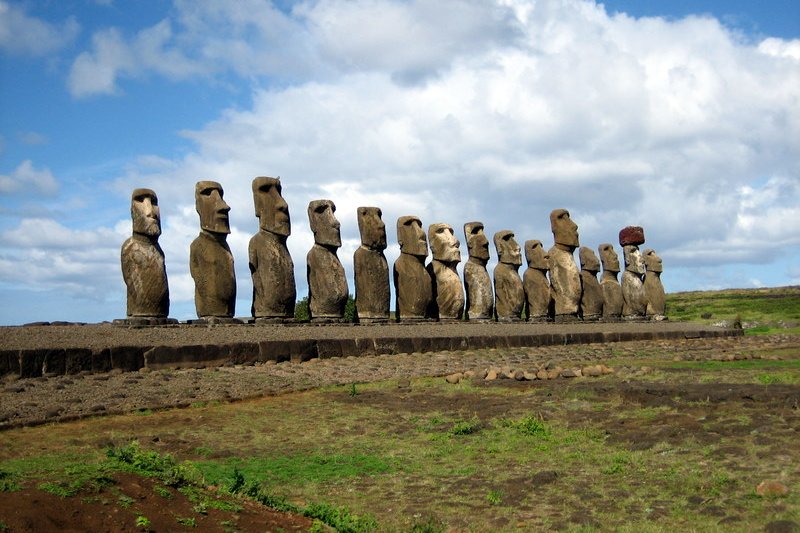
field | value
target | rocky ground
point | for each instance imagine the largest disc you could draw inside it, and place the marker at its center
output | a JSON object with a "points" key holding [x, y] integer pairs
{"points": [[45, 399]]}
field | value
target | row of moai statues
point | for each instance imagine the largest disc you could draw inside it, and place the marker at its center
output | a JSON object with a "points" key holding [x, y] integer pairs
{"points": [[552, 287]]}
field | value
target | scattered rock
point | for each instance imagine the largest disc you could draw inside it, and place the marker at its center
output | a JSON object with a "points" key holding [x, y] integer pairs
{"points": [[491, 375], [782, 526], [568, 373], [772, 488], [519, 375], [544, 477], [454, 378], [530, 376], [591, 371], [542, 374]]}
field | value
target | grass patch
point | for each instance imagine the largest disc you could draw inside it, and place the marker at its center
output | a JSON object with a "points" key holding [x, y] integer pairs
{"points": [[315, 468], [744, 364]]}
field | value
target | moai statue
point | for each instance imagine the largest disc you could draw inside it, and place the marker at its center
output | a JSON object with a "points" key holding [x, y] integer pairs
{"points": [[143, 262], [477, 283], [634, 301], [271, 266], [565, 278], [412, 284], [448, 292], [534, 281], [210, 258], [508, 291], [653, 288], [592, 295], [612, 291], [371, 268], [327, 285]]}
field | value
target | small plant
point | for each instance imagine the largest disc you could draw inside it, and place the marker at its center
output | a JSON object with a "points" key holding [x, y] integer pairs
{"points": [[7, 483], [143, 522], [191, 522], [494, 497], [3, 526], [466, 427], [353, 390], [162, 491], [125, 501]]}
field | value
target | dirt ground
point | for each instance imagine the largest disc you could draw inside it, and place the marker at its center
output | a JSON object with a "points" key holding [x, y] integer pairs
{"points": [[682, 405]]}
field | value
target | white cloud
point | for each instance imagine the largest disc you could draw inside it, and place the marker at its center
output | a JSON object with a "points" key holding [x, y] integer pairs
{"points": [[32, 138], [678, 126], [26, 178], [23, 34]]}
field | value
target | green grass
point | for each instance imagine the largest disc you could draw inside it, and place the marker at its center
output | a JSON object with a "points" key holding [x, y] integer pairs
{"points": [[775, 310], [744, 364]]}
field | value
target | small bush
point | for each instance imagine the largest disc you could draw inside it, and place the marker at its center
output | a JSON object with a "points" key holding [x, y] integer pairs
{"points": [[466, 427]]}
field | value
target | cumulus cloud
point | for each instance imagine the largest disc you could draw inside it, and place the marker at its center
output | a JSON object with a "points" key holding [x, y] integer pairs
{"points": [[24, 34], [26, 178], [515, 109]]}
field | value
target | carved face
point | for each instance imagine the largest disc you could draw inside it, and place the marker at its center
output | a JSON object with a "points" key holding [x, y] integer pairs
{"points": [[211, 207], [372, 228], [411, 236], [633, 259], [324, 223], [609, 257], [507, 248], [271, 209], [565, 231], [145, 213], [652, 262], [444, 245], [535, 255], [477, 243], [589, 261]]}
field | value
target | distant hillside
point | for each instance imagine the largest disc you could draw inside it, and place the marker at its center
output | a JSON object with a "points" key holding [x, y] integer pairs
{"points": [[761, 310]]}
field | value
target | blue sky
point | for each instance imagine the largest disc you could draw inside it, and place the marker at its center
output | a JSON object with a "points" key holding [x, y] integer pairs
{"points": [[679, 116]]}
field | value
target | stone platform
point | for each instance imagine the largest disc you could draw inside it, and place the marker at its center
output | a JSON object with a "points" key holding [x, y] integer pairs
{"points": [[35, 350]]}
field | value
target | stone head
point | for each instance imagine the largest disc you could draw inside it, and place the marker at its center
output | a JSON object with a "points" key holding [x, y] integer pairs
{"points": [[411, 236], [508, 251], [633, 259], [652, 262], [565, 231], [444, 245], [535, 255], [323, 223], [271, 209], [145, 213], [589, 261], [609, 257], [477, 243], [211, 207], [372, 228]]}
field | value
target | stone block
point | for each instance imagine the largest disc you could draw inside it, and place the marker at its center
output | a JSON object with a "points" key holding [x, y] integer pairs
{"points": [[9, 362], [274, 351], [365, 347], [77, 360], [127, 358], [101, 360], [193, 356], [404, 345], [31, 363], [302, 350], [327, 348], [244, 353], [421, 344], [349, 348], [386, 345]]}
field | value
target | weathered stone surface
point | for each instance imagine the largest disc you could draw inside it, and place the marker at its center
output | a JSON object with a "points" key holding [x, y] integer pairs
{"points": [[633, 296], [631, 235], [127, 358], [454, 378], [653, 288], [448, 292], [509, 293], [535, 284], [210, 258], [371, 268], [142, 259], [592, 293], [565, 278], [477, 283], [412, 283], [327, 285], [271, 265], [612, 290]]}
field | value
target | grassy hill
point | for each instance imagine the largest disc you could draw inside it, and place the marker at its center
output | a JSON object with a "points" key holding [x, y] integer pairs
{"points": [[763, 310]]}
